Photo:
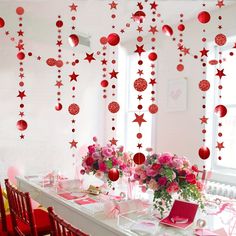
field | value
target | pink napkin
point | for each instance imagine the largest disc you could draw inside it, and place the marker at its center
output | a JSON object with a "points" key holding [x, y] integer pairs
{"points": [[84, 201], [206, 232], [67, 196]]}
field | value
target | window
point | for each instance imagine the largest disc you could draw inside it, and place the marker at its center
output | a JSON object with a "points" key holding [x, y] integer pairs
{"points": [[227, 165], [128, 96]]}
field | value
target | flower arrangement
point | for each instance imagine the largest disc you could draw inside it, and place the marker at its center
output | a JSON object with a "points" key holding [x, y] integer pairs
{"points": [[167, 174], [107, 161]]}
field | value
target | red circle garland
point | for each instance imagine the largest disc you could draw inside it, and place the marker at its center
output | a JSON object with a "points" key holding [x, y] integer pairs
{"points": [[139, 158], [21, 125], [73, 109], [114, 107], [204, 17], [2, 22], [204, 152], [113, 39], [140, 84], [220, 39]]}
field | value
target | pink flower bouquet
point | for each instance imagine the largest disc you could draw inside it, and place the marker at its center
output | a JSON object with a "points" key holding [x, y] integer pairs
{"points": [[166, 174]]}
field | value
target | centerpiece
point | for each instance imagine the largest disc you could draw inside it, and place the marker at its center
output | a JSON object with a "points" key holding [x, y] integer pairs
{"points": [[167, 174]]}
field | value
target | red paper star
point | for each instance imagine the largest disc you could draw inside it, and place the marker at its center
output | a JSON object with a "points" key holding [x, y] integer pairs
{"points": [[220, 145], [153, 29], [21, 75], [220, 3], [140, 5], [185, 50], [152, 82], [59, 83], [140, 72], [21, 113], [89, 57], [73, 7], [153, 99], [139, 119], [180, 47], [73, 144], [113, 5], [20, 33], [59, 43], [204, 52], [140, 97], [113, 141], [20, 46], [139, 49], [203, 120], [73, 76], [139, 145], [122, 31], [220, 73], [104, 62], [140, 29], [113, 74], [153, 5], [21, 94], [22, 136]]}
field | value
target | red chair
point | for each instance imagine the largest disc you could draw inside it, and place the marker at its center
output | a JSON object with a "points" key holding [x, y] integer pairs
{"points": [[3, 218], [62, 228], [25, 220]]}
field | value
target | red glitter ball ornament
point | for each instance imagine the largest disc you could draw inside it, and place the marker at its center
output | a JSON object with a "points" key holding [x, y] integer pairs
{"points": [[21, 125], [59, 23], [220, 39], [152, 56], [114, 107], [220, 110], [140, 84], [73, 40], [58, 107], [153, 108], [20, 55], [59, 63], [113, 39], [180, 67], [73, 109], [51, 62], [139, 16], [139, 158], [20, 11], [113, 174], [181, 27], [204, 152], [103, 40], [167, 30], [104, 83], [2, 22], [204, 85], [204, 17]]}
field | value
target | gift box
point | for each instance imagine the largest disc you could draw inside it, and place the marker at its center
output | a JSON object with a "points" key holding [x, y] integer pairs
{"points": [[182, 214]]}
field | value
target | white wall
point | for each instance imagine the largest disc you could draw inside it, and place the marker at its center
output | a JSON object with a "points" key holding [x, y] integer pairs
{"points": [[46, 144]]}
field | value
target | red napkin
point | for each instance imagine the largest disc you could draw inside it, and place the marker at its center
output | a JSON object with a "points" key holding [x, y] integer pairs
{"points": [[67, 196], [84, 201]]}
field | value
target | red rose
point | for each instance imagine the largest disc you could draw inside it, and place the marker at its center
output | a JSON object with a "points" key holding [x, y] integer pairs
{"points": [[89, 161], [162, 181], [191, 178], [156, 166], [195, 168]]}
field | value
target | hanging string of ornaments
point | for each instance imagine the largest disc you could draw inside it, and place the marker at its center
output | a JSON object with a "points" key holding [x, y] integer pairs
{"points": [[21, 123]]}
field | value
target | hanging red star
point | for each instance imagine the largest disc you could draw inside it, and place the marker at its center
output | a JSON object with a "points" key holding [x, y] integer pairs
{"points": [[140, 29], [113, 141], [203, 120], [220, 3], [139, 119], [59, 83], [59, 43], [113, 5], [139, 145], [89, 57], [139, 49], [140, 72], [220, 73], [20, 33], [122, 31], [140, 5], [204, 52], [140, 97], [153, 29], [21, 94], [220, 145], [21, 75], [185, 50], [113, 74], [104, 62], [152, 82], [73, 7], [22, 136], [20, 46], [21, 114], [153, 5], [73, 76], [73, 144]]}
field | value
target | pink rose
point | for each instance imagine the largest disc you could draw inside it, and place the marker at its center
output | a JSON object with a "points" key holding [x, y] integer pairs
{"points": [[107, 152], [115, 161], [177, 163], [165, 159], [191, 178], [96, 155], [173, 188], [162, 181], [153, 184], [151, 172], [91, 149], [199, 185]]}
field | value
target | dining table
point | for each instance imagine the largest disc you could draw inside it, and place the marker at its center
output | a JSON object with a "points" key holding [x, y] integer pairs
{"points": [[87, 212]]}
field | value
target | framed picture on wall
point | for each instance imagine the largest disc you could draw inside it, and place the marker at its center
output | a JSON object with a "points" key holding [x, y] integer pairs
{"points": [[177, 95]]}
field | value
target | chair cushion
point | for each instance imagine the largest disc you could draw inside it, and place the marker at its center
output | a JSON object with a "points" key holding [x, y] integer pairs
{"points": [[41, 220]]}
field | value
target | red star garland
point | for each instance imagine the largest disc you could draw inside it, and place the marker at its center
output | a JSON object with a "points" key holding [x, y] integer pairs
{"points": [[220, 145], [20, 33], [113, 5], [73, 7], [220, 73], [73, 77], [204, 52], [140, 29], [139, 49], [114, 74], [59, 84], [154, 5], [220, 3], [21, 94], [73, 144], [139, 119], [113, 141], [153, 29], [104, 61], [203, 120], [152, 82], [89, 57]]}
